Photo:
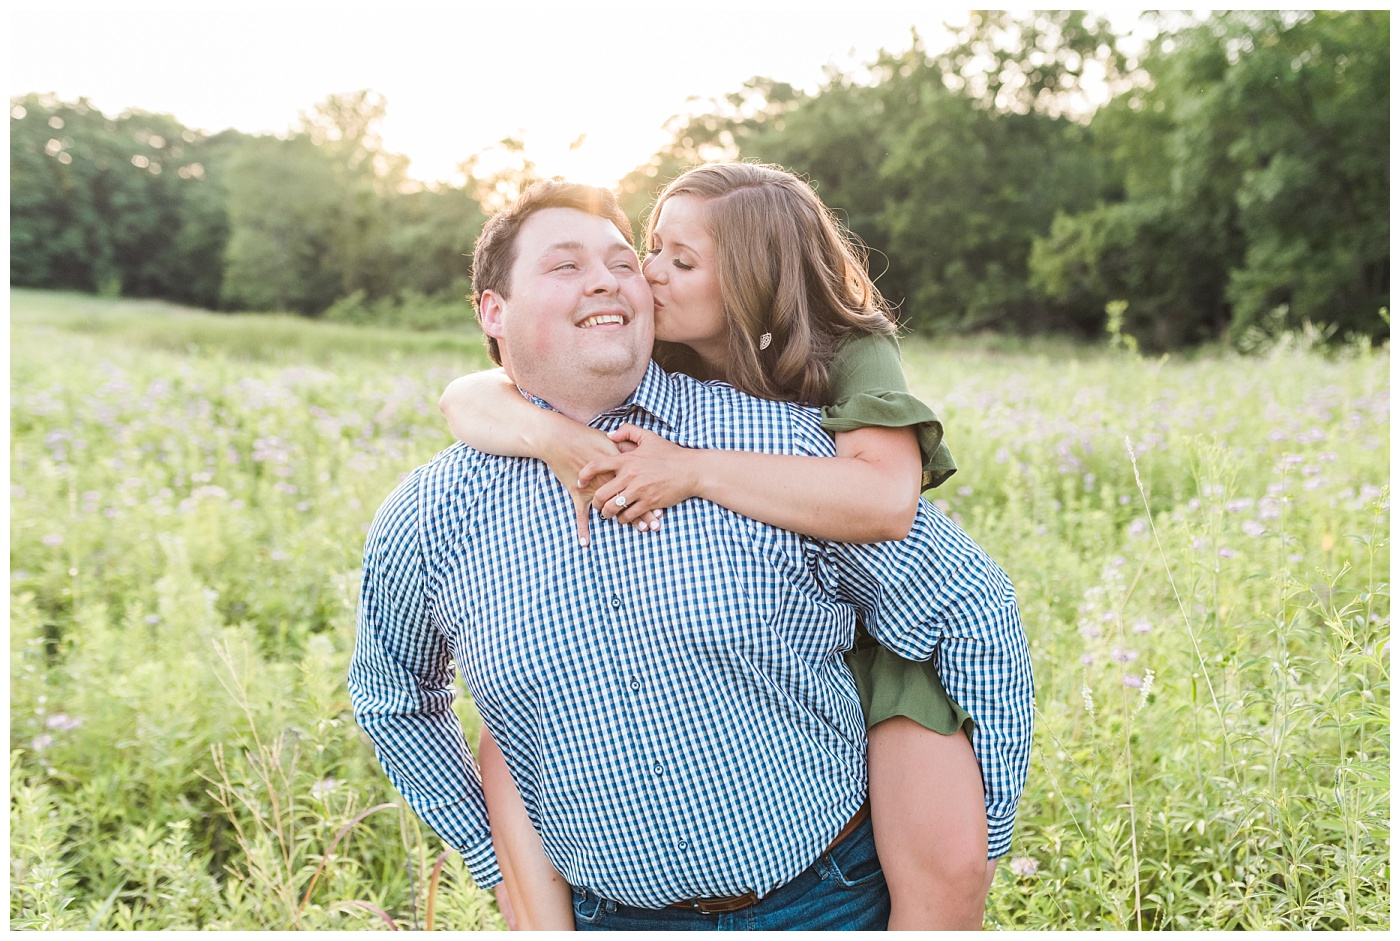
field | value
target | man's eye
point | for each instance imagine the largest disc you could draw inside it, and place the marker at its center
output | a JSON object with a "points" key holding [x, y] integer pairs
{"points": [[652, 251]]}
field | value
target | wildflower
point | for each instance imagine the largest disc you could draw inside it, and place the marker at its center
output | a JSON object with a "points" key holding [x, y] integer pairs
{"points": [[1089, 483], [1243, 503], [1087, 659], [1132, 680], [62, 722], [1124, 500], [1123, 655], [1227, 553], [1024, 866], [1253, 528], [41, 742], [1003, 455], [1147, 677], [324, 786], [1142, 627], [1295, 557], [964, 491], [151, 620], [53, 539]]}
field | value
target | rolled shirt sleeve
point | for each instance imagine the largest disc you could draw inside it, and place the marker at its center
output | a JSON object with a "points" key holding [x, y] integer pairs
{"points": [[401, 689]]}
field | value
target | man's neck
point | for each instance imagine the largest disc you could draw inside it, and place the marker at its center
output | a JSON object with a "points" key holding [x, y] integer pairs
{"points": [[582, 405]]}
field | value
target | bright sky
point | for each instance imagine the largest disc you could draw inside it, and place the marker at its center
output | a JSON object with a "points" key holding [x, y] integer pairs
{"points": [[457, 78]]}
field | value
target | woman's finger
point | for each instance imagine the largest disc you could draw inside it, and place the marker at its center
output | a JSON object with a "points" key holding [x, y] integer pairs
{"points": [[629, 433], [600, 465], [605, 498], [582, 506]]}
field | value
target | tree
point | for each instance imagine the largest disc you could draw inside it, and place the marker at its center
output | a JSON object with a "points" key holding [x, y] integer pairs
{"points": [[284, 203], [121, 205], [1256, 183]]}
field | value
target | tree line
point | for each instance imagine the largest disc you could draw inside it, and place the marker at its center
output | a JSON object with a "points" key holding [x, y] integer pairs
{"points": [[1234, 185]]}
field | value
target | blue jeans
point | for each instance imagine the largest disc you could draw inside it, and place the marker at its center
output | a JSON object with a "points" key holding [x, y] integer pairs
{"points": [[844, 890]]}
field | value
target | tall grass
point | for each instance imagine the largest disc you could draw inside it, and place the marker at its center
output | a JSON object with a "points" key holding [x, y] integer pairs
{"points": [[1200, 546]]}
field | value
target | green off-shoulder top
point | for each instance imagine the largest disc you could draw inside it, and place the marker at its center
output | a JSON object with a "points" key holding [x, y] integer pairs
{"points": [[868, 389]]}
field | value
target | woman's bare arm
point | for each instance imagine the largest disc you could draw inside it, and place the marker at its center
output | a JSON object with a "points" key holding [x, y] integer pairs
{"points": [[487, 411], [867, 493]]}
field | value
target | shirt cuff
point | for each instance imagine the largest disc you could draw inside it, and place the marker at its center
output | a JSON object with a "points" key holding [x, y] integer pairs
{"points": [[999, 836], [481, 863]]}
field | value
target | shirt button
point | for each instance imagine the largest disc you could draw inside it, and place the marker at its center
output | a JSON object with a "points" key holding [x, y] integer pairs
{"points": [[616, 601], [682, 845], [657, 768], [636, 683]]}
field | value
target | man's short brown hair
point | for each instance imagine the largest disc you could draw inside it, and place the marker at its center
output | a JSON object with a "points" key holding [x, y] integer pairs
{"points": [[494, 255]]}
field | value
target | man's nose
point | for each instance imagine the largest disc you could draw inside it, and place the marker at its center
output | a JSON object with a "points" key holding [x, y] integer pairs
{"points": [[602, 279]]}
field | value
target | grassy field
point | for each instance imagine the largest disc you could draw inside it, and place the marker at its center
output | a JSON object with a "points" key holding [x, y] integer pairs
{"points": [[1200, 546]]}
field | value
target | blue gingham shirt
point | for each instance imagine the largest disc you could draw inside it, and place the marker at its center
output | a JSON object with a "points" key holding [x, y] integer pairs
{"points": [[674, 706]]}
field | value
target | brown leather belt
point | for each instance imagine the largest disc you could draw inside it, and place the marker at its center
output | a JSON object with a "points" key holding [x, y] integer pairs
{"points": [[737, 903]]}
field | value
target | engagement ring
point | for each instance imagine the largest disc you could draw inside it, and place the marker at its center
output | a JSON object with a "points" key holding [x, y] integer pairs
{"points": [[620, 500]]}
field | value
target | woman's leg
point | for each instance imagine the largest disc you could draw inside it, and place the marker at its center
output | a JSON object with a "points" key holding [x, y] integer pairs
{"points": [[930, 821], [539, 896]]}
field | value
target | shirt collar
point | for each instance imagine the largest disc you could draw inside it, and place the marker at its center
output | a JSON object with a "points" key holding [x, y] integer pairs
{"points": [[655, 395]]}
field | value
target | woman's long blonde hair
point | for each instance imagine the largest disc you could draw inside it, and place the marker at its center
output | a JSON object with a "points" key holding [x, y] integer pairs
{"points": [[787, 267]]}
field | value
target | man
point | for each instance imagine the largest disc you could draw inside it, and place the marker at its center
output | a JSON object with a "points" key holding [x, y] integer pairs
{"points": [[673, 706]]}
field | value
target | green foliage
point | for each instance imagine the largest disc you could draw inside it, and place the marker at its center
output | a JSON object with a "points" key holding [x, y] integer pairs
{"points": [[283, 202], [131, 204], [1256, 179], [1207, 604], [187, 526], [1236, 184], [1240, 168], [411, 311]]}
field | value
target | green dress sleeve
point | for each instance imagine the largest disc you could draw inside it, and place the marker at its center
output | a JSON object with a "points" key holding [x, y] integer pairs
{"points": [[868, 389]]}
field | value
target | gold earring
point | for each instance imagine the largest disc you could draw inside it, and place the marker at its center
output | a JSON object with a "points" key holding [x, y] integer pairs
{"points": [[764, 341]]}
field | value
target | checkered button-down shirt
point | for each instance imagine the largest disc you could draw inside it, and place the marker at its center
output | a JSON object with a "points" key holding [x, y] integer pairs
{"points": [[673, 706]]}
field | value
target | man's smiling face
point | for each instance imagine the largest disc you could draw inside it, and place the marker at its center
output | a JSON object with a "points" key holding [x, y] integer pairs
{"points": [[577, 326]]}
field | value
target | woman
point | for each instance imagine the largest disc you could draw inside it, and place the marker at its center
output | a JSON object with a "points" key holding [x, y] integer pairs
{"points": [[797, 320]]}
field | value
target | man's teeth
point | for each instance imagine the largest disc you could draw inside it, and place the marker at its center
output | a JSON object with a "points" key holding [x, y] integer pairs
{"points": [[603, 318]]}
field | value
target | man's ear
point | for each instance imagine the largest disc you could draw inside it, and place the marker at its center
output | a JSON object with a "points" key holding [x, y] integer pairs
{"points": [[492, 308]]}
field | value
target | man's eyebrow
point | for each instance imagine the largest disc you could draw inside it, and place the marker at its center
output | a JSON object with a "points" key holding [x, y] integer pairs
{"points": [[565, 247]]}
